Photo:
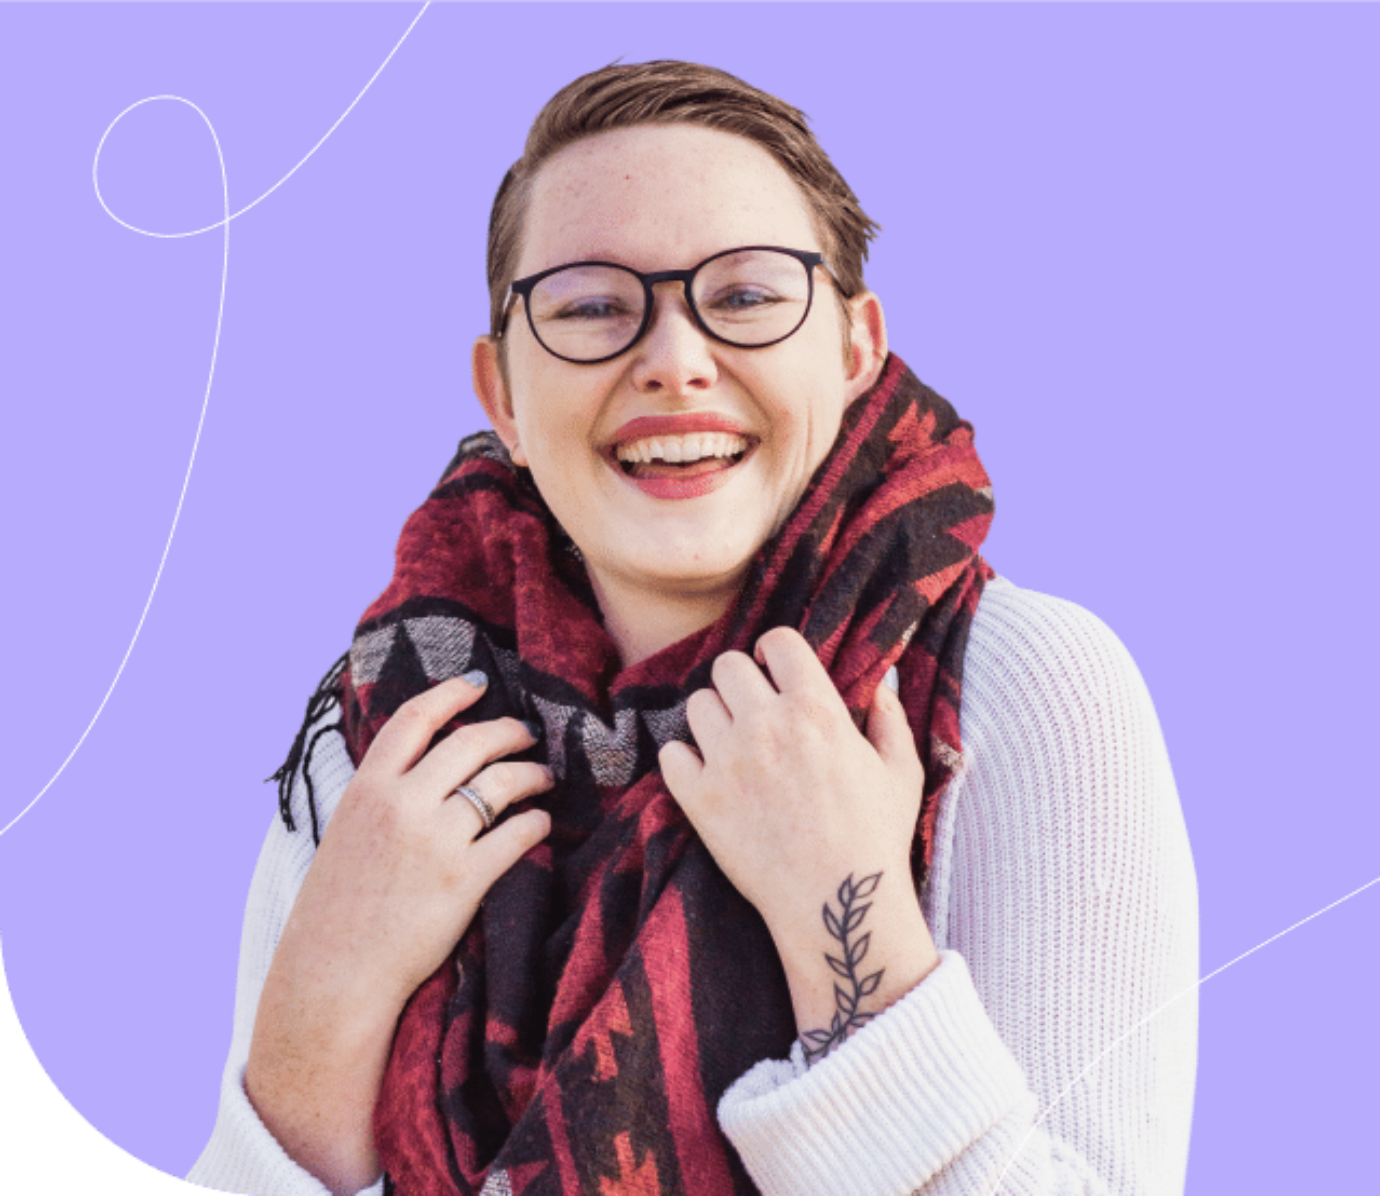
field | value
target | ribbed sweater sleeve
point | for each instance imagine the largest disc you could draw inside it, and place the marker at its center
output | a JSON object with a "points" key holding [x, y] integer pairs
{"points": [[1064, 901]]}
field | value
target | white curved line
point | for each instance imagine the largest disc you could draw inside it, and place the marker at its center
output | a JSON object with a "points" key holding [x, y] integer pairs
{"points": [[1151, 1016], [224, 223], [187, 477], [197, 231]]}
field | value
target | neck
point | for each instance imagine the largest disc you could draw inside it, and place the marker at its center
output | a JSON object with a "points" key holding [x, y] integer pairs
{"points": [[641, 623]]}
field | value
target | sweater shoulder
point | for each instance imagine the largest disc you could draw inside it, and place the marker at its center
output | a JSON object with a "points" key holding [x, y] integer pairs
{"points": [[1062, 752], [1033, 657], [1013, 618]]}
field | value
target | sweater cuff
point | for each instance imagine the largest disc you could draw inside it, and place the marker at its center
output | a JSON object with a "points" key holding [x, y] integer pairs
{"points": [[897, 1102], [243, 1156]]}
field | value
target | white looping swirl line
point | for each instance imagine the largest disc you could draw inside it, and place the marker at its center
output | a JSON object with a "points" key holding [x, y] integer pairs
{"points": [[224, 223], [1155, 1013]]}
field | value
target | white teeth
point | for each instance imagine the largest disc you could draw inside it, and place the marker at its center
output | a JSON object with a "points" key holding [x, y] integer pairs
{"points": [[682, 449]]}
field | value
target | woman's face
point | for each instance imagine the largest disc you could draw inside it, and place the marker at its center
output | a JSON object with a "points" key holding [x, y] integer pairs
{"points": [[665, 198]]}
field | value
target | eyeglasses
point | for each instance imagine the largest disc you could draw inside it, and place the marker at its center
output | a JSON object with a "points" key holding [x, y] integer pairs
{"points": [[588, 312]]}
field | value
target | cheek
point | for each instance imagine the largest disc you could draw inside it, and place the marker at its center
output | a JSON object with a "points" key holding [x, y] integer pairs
{"points": [[551, 430], [806, 430], [558, 446]]}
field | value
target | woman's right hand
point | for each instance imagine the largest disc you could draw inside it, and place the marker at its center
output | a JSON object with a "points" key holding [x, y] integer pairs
{"points": [[397, 879]]}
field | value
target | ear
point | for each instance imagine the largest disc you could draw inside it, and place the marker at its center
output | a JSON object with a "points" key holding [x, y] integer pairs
{"points": [[491, 388], [867, 350]]}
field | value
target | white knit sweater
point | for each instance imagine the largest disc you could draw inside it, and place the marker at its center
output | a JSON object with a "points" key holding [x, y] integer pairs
{"points": [[1064, 903]]}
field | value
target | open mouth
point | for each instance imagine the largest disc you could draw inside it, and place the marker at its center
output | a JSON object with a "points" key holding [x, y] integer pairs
{"points": [[685, 457]]}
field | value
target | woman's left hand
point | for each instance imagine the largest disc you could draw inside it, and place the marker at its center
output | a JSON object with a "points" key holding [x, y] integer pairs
{"points": [[792, 800]]}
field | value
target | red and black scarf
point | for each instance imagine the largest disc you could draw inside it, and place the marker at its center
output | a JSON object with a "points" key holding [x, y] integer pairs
{"points": [[615, 983]]}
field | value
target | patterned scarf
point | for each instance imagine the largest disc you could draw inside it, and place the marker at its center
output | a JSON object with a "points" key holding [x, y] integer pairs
{"points": [[615, 983]]}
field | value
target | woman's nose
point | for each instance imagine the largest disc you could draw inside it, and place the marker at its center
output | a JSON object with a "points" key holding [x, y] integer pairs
{"points": [[674, 354]]}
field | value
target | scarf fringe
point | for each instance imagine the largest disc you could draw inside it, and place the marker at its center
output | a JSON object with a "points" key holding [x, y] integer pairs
{"points": [[585, 1009], [299, 755]]}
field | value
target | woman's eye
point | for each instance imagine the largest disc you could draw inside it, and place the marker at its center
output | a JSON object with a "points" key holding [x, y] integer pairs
{"points": [[742, 298], [593, 309]]}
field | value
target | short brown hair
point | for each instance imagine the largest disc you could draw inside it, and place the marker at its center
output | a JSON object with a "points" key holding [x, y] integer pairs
{"points": [[668, 92]]}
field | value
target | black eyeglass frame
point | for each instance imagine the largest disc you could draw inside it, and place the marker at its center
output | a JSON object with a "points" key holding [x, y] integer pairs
{"points": [[523, 287]]}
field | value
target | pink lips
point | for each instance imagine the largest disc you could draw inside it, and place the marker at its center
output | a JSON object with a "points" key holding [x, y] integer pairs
{"points": [[676, 425]]}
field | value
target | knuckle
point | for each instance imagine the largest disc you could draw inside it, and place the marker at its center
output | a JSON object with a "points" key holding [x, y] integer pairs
{"points": [[808, 712], [782, 639], [409, 717], [417, 705], [727, 663], [512, 778], [376, 808], [698, 698], [493, 738], [469, 736], [701, 701], [483, 739], [509, 779], [671, 759]]}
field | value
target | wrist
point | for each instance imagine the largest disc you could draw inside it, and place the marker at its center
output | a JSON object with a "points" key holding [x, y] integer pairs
{"points": [[314, 1028], [313, 1076], [863, 947]]}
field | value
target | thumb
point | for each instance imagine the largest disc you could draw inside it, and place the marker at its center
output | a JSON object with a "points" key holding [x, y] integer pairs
{"points": [[888, 728]]}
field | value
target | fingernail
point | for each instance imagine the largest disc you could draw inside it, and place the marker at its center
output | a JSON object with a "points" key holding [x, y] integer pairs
{"points": [[534, 729], [476, 677]]}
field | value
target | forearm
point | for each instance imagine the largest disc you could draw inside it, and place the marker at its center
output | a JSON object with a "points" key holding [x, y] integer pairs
{"points": [[322, 1036], [863, 947], [1065, 880], [316, 1064]]}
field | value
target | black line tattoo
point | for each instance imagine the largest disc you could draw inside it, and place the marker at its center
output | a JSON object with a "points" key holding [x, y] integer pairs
{"points": [[847, 1016]]}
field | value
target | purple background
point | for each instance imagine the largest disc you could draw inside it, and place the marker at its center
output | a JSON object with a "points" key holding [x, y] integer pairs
{"points": [[1137, 247]]}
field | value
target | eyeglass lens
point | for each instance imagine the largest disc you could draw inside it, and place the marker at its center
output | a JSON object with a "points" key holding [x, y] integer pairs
{"points": [[752, 298]]}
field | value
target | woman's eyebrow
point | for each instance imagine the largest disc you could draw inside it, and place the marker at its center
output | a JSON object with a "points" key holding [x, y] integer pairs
{"points": [[613, 257]]}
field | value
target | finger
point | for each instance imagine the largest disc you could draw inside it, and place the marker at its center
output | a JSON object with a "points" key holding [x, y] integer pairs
{"points": [[793, 666], [491, 855], [741, 685], [500, 785], [708, 717], [472, 810], [888, 729], [466, 750], [403, 738], [680, 769]]}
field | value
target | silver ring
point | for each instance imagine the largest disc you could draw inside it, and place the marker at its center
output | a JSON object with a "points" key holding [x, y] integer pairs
{"points": [[476, 799]]}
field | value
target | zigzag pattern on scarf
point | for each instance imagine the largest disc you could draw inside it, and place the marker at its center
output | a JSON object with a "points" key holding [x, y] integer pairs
{"points": [[615, 983]]}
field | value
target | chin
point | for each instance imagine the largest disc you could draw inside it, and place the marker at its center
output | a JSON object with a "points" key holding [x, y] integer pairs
{"points": [[698, 569], [702, 576]]}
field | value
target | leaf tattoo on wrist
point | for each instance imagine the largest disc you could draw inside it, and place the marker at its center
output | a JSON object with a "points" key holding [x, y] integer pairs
{"points": [[848, 995]]}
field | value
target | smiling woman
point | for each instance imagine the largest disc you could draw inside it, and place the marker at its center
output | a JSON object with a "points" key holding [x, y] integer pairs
{"points": [[660, 568], [697, 811]]}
